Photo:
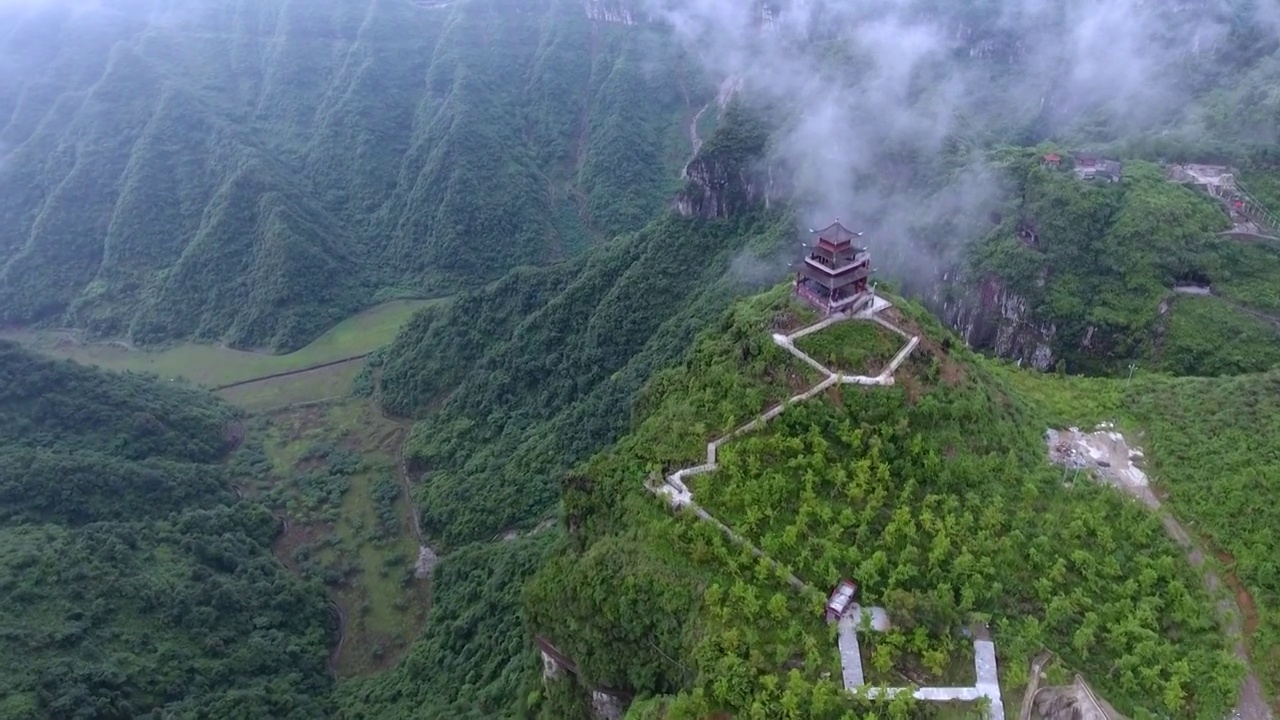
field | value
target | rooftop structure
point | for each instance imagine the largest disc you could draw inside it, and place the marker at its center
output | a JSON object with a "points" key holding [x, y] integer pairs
{"points": [[841, 599], [1053, 159], [1091, 167], [833, 274]]}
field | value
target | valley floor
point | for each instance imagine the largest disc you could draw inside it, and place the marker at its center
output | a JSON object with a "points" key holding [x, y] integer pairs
{"points": [[338, 482], [218, 367]]}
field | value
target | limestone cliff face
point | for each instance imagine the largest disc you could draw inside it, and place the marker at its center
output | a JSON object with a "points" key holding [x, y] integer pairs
{"points": [[623, 12], [719, 186], [991, 317], [728, 174]]}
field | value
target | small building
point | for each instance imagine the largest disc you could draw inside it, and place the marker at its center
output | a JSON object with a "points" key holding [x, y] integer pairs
{"points": [[841, 599], [833, 275], [1052, 160], [1092, 167]]}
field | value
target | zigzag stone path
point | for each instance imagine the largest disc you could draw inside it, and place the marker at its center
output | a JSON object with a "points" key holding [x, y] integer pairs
{"points": [[679, 496]]}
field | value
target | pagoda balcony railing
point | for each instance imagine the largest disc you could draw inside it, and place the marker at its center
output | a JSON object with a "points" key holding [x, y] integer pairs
{"points": [[812, 296], [827, 304], [858, 257], [855, 266]]}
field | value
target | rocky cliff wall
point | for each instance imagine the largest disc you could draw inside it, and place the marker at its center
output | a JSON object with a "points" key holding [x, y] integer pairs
{"points": [[624, 12], [720, 187], [991, 317]]}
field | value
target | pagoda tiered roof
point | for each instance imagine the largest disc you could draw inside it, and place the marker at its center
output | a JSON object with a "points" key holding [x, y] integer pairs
{"points": [[836, 235]]}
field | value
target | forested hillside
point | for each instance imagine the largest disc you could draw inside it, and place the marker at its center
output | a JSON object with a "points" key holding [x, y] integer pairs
{"points": [[934, 494], [520, 380], [1085, 276], [131, 579], [515, 382], [253, 172]]}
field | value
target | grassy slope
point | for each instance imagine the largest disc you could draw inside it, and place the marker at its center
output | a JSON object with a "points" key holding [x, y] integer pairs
{"points": [[990, 530], [1210, 336], [852, 348], [351, 529]]}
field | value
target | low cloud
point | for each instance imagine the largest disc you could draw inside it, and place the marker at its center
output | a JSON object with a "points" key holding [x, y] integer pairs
{"points": [[865, 91]]}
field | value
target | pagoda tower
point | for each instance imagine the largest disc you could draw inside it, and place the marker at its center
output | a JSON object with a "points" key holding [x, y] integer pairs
{"points": [[833, 274]]}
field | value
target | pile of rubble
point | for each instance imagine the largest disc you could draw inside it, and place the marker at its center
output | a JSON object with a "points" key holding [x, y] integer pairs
{"points": [[1104, 451]]}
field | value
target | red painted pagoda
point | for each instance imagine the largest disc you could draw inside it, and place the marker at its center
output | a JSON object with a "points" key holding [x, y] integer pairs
{"points": [[833, 275]]}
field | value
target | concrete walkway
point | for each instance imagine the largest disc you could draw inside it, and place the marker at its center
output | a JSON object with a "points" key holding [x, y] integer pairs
{"points": [[679, 496], [984, 666], [850, 653], [674, 487], [988, 685]]}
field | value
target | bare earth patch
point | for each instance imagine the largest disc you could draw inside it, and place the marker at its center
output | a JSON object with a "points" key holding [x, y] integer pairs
{"points": [[1107, 456]]}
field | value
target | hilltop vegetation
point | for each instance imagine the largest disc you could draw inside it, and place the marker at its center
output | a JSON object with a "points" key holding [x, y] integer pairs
{"points": [[253, 172], [1209, 442], [1095, 264], [256, 172], [130, 579], [934, 494]]}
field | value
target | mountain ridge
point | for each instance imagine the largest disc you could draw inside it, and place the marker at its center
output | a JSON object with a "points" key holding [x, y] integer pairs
{"points": [[338, 153]]}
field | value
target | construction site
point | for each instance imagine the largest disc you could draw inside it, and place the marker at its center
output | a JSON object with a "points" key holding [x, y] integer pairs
{"points": [[1250, 219]]}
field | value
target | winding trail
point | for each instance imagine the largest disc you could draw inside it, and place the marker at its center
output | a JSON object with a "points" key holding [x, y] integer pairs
{"points": [[726, 92], [427, 557], [695, 140], [678, 493], [283, 521], [402, 469], [679, 496], [1207, 291], [1033, 684], [1252, 704]]}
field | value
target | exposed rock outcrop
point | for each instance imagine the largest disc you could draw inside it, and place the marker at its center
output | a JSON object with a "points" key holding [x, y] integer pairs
{"points": [[728, 176], [607, 706], [622, 12], [722, 187], [995, 318]]}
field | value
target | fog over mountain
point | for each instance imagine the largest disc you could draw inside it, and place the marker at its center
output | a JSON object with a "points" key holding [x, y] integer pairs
{"points": [[862, 89]]}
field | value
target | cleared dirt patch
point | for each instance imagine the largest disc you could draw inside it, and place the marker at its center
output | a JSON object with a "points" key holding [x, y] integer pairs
{"points": [[1107, 456]]}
